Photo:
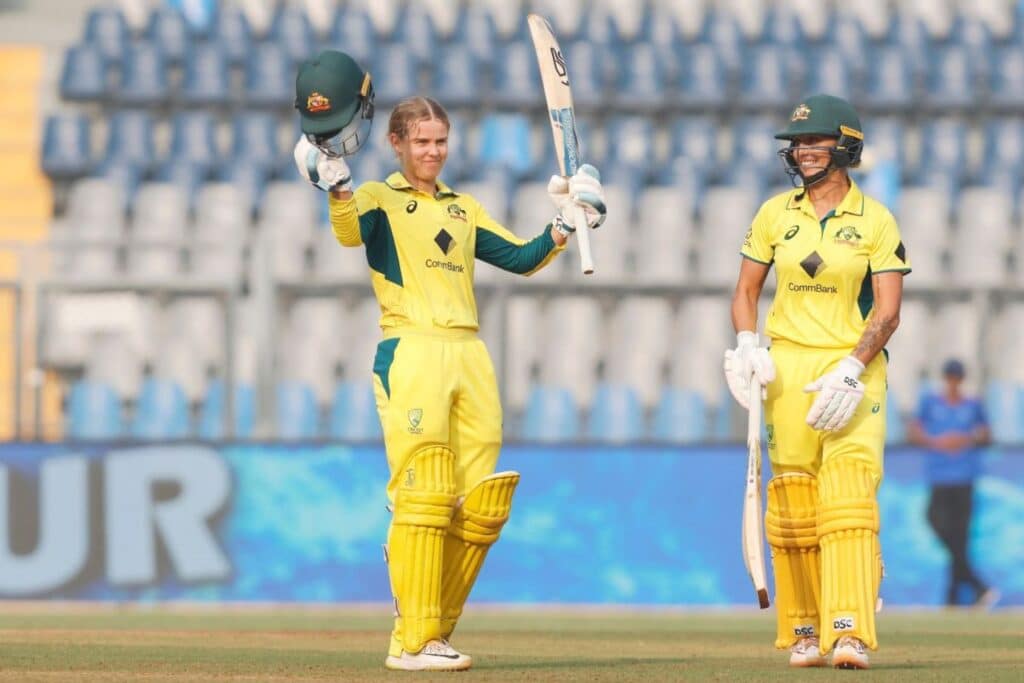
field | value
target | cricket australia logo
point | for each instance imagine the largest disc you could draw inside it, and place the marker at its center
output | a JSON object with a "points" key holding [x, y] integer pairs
{"points": [[848, 235], [415, 417], [801, 113], [770, 429], [457, 212], [317, 102]]}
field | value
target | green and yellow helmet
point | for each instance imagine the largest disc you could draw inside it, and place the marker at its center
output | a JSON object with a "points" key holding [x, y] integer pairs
{"points": [[829, 116], [334, 97]]}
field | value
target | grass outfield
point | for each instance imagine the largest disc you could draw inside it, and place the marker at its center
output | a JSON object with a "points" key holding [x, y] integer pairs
{"points": [[72, 643]]}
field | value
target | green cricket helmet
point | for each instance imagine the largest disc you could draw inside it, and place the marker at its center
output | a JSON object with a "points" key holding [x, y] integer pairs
{"points": [[334, 97], [829, 116]]}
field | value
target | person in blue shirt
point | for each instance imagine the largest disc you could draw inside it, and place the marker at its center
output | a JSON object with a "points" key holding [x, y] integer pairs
{"points": [[953, 429]]}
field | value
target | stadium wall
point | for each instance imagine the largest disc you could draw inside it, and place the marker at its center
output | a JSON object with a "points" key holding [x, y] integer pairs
{"points": [[305, 523]]}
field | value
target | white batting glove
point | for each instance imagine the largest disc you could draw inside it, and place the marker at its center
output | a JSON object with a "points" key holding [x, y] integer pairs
{"points": [[326, 173], [747, 362], [840, 392], [584, 189]]}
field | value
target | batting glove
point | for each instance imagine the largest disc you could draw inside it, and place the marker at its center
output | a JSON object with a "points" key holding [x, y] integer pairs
{"points": [[326, 173], [839, 393], [583, 189], [748, 362]]}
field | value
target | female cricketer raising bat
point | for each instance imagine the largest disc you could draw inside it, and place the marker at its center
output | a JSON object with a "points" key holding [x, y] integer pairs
{"points": [[435, 385], [839, 265]]}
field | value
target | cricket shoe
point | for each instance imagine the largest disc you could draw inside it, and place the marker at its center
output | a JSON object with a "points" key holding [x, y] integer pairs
{"points": [[849, 653], [806, 653], [436, 655]]}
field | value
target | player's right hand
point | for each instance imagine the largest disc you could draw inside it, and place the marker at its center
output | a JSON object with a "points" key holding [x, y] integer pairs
{"points": [[746, 362], [326, 173], [583, 189]]}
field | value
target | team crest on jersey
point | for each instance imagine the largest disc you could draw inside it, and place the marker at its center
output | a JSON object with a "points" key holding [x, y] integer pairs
{"points": [[801, 113], [415, 417], [317, 103], [457, 212], [848, 235]]}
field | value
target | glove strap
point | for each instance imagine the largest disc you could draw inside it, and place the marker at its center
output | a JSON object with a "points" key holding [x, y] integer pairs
{"points": [[561, 226]]}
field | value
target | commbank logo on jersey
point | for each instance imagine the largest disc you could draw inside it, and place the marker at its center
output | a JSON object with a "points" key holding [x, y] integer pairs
{"points": [[813, 264], [444, 241]]}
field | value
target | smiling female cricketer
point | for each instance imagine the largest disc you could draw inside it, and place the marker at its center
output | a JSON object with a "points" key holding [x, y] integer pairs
{"points": [[434, 382], [839, 264]]}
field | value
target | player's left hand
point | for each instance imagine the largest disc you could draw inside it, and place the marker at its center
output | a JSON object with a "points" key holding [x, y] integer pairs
{"points": [[839, 393], [583, 189]]}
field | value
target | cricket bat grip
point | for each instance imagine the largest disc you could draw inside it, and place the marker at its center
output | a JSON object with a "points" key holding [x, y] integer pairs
{"points": [[579, 221]]}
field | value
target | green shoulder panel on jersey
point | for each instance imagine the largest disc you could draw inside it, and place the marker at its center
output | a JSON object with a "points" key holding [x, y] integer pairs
{"points": [[515, 258], [383, 360], [381, 253], [866, 298]]}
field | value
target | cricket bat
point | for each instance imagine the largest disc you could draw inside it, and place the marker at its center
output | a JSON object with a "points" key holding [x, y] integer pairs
{"points": [[753, 532], [555, 77]]}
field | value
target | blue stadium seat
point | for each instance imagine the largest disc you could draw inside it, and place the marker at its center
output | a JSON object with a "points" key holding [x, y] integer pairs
{"points": [[684, 174], [782, 27], [107, 31], [394, 74], [616, 415], [517, 79], [909, 33], [1006, 90], [1004, 403], [168, 31], [680, 417], [84, 76], [354, 413], [66, 146], [416, 32], [211, 416], [162, 411], [298, 416], [946, 147], [354, 33], [845, 35], [456, 78], [1003, 144], [94, 412], [769, 79], [231, 31], [703, 80], [144, 81], [194, 139], [595, 26], [659, 27], [723, 33], [829, 72], [757, 147], [200, 15], [631, 142], [887, 137], [551, 415], [292, 31], [269, 77], [475, 30], [951, 81], [589, 74], [972, 34], [254, 139], [890, 82], [207, 77], [126, 176], [641, 81], [505, 141], [130, 140], [696, 138]]}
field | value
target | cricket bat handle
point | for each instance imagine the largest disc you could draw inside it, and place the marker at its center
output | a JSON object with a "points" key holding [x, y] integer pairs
{"points": [[579, 221]]}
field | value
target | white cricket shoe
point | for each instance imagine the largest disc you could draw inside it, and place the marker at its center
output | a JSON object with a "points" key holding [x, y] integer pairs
{"points": [[849, 653], [436, 655], [806, 653]]}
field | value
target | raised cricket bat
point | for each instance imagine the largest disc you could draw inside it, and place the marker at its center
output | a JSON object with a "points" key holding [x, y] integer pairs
{"points": [[555, 77], [753, 532]]}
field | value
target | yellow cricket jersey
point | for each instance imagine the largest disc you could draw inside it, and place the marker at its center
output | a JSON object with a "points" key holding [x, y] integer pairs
{"points": [[422, 248], [823, 268]]}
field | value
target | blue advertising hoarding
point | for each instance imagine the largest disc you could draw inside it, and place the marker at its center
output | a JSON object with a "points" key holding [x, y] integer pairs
{"points": [[626, 525]]}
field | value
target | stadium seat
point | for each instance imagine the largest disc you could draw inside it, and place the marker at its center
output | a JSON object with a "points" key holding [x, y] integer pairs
{"points": [[207, 79], [890, 84], [517, 79], [456, 79], [875, 16], [846, 36], [269, 77], [355, 34], [829, 72], [297, 415], [231, 32], [770, 79], [616, 415], [951, 81], [984, 237], [754, 147], [696, 139], [590, 75], [505, 141], [415, 31], [703, 81], [84, 75], [640, 343], [187, 175], [574, 321], [251, 179], [641, 81], [394, 74], [194, 139], [681, 417], [353, 415], [162, 411], [723, 33], [144, 81], [131, 140], [94, 412], [946, 149], [551, 416], [570, 19], [168, 33], [292, 31], [1004, 403], [126, 177], [631, 143], [200, 15], [66, 146], [211, 415], [106, 31], [1003, 147], [666, 219], [782, 26], [1006, 91]]}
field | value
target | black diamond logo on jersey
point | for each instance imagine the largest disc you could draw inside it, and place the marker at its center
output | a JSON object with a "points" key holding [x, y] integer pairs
{"points": [[812, 264], [445, 241]]}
